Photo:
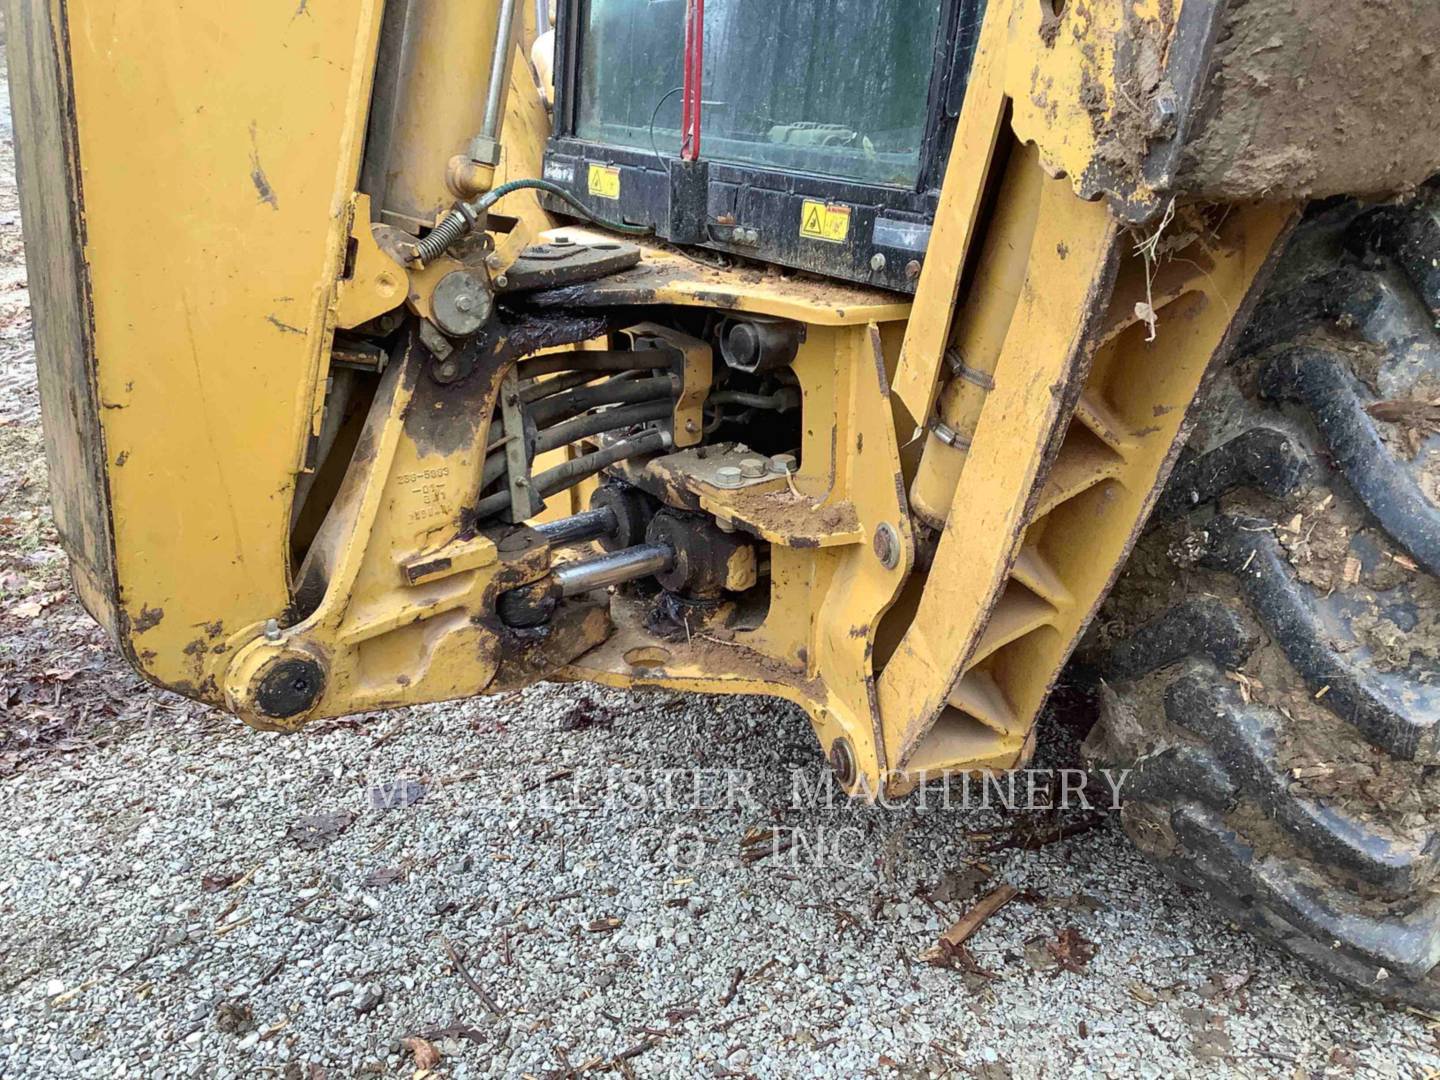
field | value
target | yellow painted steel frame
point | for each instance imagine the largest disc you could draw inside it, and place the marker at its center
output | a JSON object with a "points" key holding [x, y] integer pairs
{"points": [[215, 244], [216, 158]]}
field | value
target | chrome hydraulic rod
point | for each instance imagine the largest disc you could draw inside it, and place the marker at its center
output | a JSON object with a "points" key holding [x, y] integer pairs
{"points": [[615, 568]]}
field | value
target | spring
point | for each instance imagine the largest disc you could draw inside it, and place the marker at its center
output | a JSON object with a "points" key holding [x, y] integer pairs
{"points": [[435, 243]]}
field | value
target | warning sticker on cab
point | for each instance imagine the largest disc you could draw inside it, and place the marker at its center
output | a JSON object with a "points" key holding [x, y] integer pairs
{"points": [[822, 221], [605, 181]]}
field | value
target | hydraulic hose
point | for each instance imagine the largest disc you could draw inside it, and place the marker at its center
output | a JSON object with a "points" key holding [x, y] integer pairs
{"points": [[462, 218], [780, 401], [606, 420], [569, 473], [562, 406], [544, 388], [569, 406], [589, 360]]}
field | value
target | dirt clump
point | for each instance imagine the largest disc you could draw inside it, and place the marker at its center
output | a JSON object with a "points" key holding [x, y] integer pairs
{"points": [[1310, 98]]}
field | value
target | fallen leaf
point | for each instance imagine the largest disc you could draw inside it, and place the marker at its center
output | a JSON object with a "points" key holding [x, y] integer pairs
{"points": [[1222, 984], [385, 875], [1072, 951], [218, 882], [1142, 993], [424, 1053], [396, 794], [314, 831], [959, 886]]}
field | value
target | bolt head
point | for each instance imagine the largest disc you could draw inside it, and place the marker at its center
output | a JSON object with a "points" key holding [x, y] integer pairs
{"points": [[877, 262], [887, 546], [912, 269], [464, 303], [753, 468], [502, 281], [729, 476], [447, 369], [783, 464]]}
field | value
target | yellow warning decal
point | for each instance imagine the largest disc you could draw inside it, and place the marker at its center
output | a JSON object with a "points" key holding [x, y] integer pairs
{"points": [[822, 221], [605, 181]]}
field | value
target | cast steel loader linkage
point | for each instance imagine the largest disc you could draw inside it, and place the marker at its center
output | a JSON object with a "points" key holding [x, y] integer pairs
{"points": [[839, 350]]}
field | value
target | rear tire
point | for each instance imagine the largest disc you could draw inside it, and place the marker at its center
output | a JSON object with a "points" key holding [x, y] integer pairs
{"points": [[1271, 656]]}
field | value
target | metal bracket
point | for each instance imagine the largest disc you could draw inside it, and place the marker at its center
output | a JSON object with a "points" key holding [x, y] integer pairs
{"points": [[561, 260], [377, 282], [692, 370], [523, 500]]}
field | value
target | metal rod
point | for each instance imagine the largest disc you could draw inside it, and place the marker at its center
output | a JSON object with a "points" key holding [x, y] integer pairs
{"points": [[616, 568], [587, 525], [499, 70]]}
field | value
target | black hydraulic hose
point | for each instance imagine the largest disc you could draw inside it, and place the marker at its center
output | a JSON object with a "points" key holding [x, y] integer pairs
{"points": [[581, 427], [569, 473], [780, 401], [606, 420], [562, 406], [653, 395], [543, 388], [590, 360]]}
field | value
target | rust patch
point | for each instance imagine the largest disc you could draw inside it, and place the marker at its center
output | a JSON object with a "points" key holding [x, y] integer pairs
{"points": [[148, 619]]}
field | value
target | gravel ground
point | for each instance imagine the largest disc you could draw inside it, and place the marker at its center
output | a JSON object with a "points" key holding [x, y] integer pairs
{"points": [[526, 885]]}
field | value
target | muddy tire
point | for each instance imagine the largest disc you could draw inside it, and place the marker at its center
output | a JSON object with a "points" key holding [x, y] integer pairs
{"points": [[1271, 657]]}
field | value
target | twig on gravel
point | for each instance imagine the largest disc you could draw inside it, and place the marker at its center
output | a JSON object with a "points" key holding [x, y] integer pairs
{"points": [[283, 959], [235, 924], [452, 1031], [726, 1025], [151, 951], [468, 979], [971, 921], [734, 988], [1025, 837], [636, 1050]]}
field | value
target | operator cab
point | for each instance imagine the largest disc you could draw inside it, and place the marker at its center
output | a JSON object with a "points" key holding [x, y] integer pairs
{"points": [[813, 135]]}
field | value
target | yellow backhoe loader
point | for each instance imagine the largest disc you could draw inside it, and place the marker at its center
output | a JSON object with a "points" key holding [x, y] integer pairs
{"points": [[394, 351]]}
